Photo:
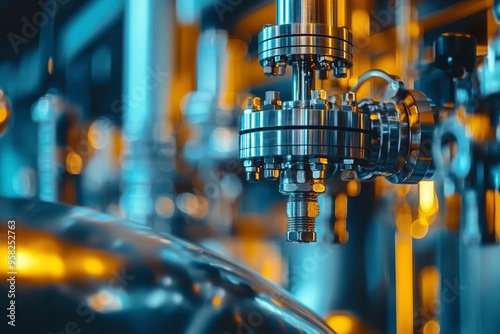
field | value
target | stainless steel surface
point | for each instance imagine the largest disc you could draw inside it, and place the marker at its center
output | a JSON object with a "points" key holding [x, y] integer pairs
{"points": [[105, 275], [414, 258], [391, 138], [303, 80], [306, 38], [312, 139], [305, 11], [415, 164]]}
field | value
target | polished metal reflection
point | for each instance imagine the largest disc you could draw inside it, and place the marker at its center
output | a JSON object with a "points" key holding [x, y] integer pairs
{"points": [[305, 140], [306, 11], [95, 273], [310, 140]]}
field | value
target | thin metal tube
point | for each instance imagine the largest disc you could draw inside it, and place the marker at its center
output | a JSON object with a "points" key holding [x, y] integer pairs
{"points": [[303, 80]]}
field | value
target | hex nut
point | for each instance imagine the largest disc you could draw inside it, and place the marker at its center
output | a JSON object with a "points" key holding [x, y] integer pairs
{"points": [[271, 174], [269, 71], [248, 163], [301, 236], [318, 174], [253, 176], [340, 72]]}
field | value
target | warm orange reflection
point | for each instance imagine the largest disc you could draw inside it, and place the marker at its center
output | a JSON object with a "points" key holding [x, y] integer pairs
{"points": [[341, 206], [43, 258], [431, 327], [453, 209], [346, 323], [427, 197], [404, 282], [493, 213], [4, 113], [74, 163], [340, 226], [217, 301], [104, 301], [404, 262], [50, 65], [479, 127], [429, 289], [353, 188], [404, 218], [419, 228]]}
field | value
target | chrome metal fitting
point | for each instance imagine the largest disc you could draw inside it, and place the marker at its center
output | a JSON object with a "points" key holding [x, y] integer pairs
{"points": [[272, 101]]}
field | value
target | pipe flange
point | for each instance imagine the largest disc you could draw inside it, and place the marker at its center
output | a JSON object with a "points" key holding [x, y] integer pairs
{"points": [[305, 132], [414, 162], [330, 46]]}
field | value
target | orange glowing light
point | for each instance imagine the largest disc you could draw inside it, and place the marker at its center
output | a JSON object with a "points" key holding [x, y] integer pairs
{"points": [[47, 264], [341, 323], [341, 230], [341, 206], [429, 288], [353, 188], [352, 82], [346, 323], [426, 196], [453, 209], [42, 257], [419, 228], [50, 65], [74, 163], [404, 218], [404, 282], [4, 113], [93, 266], [493, 212], [431, 327], [217, 301]]}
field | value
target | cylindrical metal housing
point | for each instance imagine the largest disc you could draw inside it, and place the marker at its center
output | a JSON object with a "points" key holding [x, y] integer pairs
{"points": [[303, 81], [138, 281], [305, 11]]}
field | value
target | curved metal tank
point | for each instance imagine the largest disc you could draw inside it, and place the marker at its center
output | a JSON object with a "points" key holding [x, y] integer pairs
{"points": [[79, 271]]}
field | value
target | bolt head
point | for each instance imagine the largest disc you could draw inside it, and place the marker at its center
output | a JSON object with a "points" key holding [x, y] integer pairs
{"points": [[269, 71], [301, 236], [327, 59], [349, 97], [253, 104], [340, 72], [322, 74], [319, 94], [318, 174], [271, 174], [348, 175], [281, 70], [272, 95], [272, 160], [253, 176]]}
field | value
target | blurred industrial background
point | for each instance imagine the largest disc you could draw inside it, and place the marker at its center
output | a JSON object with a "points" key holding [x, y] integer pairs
{"points": [[131, 107]]}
